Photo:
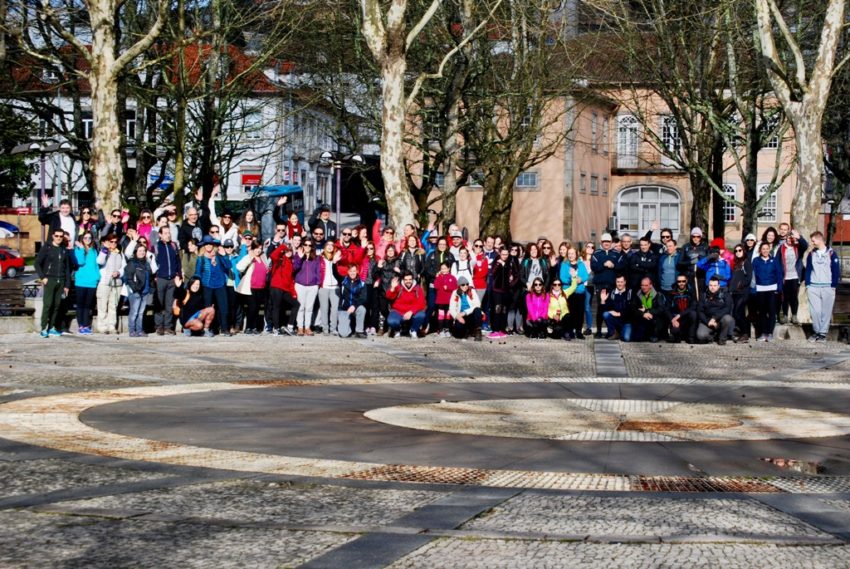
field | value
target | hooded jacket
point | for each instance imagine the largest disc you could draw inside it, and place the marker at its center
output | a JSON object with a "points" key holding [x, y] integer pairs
{"points": [[407, 300]]}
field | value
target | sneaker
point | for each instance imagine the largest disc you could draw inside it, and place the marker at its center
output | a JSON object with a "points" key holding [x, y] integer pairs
{"points": [[821, 339], [288, 330], [225, 334], [768, 338], [782, 318], [160, 331], [275, 332], [598, 335], [497, 335], [54, 333], [44, 333], [414, 335], [208, 334], [170, 332], [187, 332], [813, 338], [360, 335], [742, 339], [141, 334], [132, 334], [761, 338], [579, 336], [391, 333], [588, 331], [721, 341], [794, 320]]}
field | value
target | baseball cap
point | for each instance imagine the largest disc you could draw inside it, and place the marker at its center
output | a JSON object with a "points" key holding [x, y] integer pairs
{"points": [[605, 237], [228, 243], [696, 231]]}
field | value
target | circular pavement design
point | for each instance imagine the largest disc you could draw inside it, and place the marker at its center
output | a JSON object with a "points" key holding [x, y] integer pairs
{"points": [[321, 429], [614, 420]]}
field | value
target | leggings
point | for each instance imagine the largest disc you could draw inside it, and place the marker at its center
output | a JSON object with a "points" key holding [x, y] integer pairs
{"points": [[790, 292], [499, 311], [588, 301], [307, 301], [278, 300], [85, 303], [575, 302], [253, 304], [739, 312]]}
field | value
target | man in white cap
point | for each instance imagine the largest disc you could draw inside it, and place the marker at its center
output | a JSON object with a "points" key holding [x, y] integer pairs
{"points": [[695, 251], [456, 243], [605, 263]]}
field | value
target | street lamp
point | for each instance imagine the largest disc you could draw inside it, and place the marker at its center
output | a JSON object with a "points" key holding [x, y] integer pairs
{"points": [[336, 160]]}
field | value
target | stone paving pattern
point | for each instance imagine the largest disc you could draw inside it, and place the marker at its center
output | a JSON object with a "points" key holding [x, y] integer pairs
{"points": [[93, 512]]}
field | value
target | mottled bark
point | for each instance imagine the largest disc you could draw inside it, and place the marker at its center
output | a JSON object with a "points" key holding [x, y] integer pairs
{"points": [[394, 111], [701, 193]]}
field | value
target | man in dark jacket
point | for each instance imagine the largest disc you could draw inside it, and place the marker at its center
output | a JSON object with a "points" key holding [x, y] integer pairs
{"points": [[605, 264], [61, 220], [615, 309], [642, 264], [352, 303], [321, 219], [168, 267], [53, 266], [682, 311], [692, 253], [715, 314]]}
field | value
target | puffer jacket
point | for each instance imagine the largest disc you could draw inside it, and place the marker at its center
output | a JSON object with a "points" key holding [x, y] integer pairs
{"points": [[281, 268], [111, 263], [455, 304], [407, 300], [537, 306]]}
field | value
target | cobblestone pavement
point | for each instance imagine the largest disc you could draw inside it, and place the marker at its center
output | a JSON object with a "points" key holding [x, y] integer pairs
{"points": [[104, 509]]}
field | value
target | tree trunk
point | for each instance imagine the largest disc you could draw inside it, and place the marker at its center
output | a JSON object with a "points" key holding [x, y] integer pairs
{"points": [[806, 206], [496, 208], [718, 218], [701, 193], [108, 176], [399, 200], [450, 144]]}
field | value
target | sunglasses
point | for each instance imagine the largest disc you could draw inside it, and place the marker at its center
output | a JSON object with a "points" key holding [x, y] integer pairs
{"points": [[280, 230], [58, 235], [172, 214], [213, 232], [146, 217], [226, 217], [739, 250], [247, 238], [464, 285], [682, 282], [116, 215], [388, 232], [538, 285], [546, 247], [346, 234], [86, 212], [318, 233]]}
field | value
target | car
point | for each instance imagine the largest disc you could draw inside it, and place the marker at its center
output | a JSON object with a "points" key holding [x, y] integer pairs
{"points": [[11, 263]]}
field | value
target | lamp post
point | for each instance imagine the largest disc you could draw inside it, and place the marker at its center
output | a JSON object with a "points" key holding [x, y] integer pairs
{"points": [[335, 160]]}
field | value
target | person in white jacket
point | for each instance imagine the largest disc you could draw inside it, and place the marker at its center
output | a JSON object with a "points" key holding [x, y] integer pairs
{"points": [[465, 310], [111, 262]]}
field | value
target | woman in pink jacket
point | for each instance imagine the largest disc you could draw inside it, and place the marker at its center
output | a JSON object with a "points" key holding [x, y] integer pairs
{"points": [[537, 310]]}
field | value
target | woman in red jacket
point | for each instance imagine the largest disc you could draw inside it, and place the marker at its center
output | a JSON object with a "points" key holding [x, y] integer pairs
{"points": [[282, 291]]}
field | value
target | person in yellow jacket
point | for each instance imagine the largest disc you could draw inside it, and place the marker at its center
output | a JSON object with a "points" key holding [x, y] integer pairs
{"points": [[558, 308]]}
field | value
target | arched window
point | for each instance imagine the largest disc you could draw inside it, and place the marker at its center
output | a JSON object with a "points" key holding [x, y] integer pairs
{"points": [[639, 206], [627, 141]]}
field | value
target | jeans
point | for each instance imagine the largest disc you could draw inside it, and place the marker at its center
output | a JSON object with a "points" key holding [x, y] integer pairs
{"points": [[163, 300], [395, 320], [218, 296], [85, 303], [588, 300], [307, 299], [344, 321], [615, 323], [328, 308], [137, 312]]}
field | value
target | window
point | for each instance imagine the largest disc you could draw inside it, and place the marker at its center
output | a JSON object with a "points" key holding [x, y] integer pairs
{"points": [[526, 180], [253, 125], [639, 206], [439, 179], [594, 185], [730, 213], [594, 127], [604, 185], [475, 180], [768, 207], [670, 134], [582, 186], [527, 118], [771, 134], [130, 126], [627, 141], [88, 124], [606, 124]]}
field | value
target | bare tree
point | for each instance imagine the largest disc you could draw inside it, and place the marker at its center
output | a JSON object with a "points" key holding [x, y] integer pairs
{"points": [[801, 75]]}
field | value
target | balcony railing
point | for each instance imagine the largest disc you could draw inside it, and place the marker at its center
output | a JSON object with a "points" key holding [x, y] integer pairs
{"points": [[645, 161]]}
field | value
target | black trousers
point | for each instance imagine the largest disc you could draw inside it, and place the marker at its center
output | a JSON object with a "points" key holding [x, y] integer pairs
{"points": [[790, 299], [254, 302], [740, 301], [472, 322], [280, 300], [575, 302], [499, 311], [766, 302]]}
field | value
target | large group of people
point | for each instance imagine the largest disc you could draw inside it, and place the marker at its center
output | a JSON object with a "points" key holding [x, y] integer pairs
{"points": [[219, 275]]}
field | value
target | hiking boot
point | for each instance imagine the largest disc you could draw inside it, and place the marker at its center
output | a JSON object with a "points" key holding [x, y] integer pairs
{"points": [[782, 318], [476, 335], [794, 320], [742, 339]]}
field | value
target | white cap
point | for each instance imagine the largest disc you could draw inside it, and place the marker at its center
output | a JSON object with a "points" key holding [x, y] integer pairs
{"points": [[750, 237], [696, 231], [605, 237]]}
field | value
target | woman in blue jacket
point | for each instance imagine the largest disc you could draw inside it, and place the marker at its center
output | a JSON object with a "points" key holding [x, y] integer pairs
{"points": [[768, 278], [576, 301], [86, 278]]}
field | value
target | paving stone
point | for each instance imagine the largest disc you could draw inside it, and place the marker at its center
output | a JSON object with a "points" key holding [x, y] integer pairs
{"points": [[41, 476], [47, 540], [629, 516], [505, 554]]}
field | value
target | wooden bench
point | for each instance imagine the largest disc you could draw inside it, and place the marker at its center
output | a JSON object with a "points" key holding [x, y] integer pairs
{"points": [[12, 299]]}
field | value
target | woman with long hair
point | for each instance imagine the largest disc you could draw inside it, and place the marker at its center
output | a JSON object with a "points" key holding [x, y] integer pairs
{"points": [[138, 276], [516, 309], [328, 288], [537, 310], [248, 222], [505, 277], [88, 223], [534, 266], [739, 287], [195, 315], [282, 294], [145, 224], [86, 278], [559, 308], [570, 266], [771, 237], [251, 290], [369, 276], [307, 269], [388, 268]]}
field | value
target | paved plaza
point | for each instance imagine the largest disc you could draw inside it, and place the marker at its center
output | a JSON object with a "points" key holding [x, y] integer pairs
{"points": [[330, 453]]}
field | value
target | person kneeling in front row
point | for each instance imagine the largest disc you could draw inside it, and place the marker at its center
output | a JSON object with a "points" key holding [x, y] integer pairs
{"points": [[352, 304], [408, 304], [715, 314], [465, 310]]}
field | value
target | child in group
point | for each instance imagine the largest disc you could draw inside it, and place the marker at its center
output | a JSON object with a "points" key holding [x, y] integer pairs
{"points": [[444, 285]]}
